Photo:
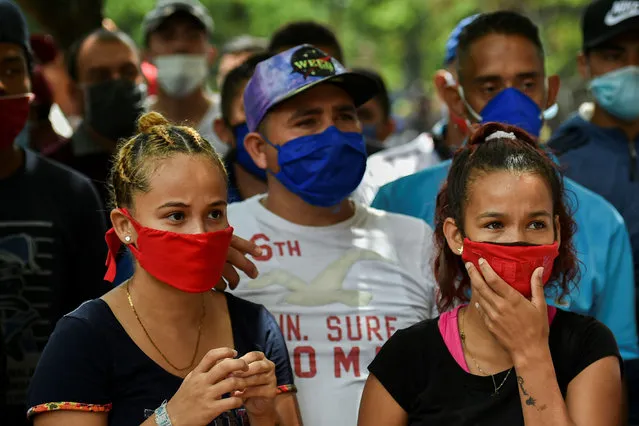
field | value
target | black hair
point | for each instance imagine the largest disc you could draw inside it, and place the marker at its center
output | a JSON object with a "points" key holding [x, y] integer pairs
{"points": [[235, 79], [245, 44], [382, 96], [305, 32], [500, 22], [100, 34]]}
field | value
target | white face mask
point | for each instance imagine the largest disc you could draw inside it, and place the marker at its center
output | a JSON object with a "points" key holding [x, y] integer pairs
{"points": [[180, 75]]}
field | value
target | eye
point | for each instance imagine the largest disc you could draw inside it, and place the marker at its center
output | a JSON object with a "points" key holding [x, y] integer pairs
{"points": [[537, 225], [176, 216], [494, 225], [216, 214], [348, 116], [488, 89], [309, 122], [529, 84]]}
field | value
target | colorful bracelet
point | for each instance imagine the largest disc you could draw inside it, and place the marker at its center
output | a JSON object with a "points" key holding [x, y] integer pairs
{"points": [[162, 416]]}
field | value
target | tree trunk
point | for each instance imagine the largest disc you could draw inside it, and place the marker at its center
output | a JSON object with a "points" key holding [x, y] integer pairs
{"points": [[65, 20]]}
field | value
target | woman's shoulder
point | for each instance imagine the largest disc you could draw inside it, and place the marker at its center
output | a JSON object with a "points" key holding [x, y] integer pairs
{"points": [[577, 341]]}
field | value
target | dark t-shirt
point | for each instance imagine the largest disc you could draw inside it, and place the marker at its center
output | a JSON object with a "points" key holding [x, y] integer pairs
{"points": [[52, 254], [419, 372], [91, 363]]}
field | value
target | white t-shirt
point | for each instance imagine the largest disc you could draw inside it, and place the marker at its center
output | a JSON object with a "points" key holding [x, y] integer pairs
{"points": [[391, 164], [206, 130], [338, 292]]}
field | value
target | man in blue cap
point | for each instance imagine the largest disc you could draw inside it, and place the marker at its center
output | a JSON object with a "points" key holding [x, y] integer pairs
{"points": [[339, 276], [428, 149], [52, 247], [502, 78]]}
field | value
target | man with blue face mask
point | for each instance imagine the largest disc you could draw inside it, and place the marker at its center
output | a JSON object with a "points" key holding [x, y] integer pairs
{"points": [[599, 150], [340, 277], [502, 78]]}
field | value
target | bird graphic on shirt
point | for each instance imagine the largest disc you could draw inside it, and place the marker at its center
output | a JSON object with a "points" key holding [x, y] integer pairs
{"points": [[326, 288]]}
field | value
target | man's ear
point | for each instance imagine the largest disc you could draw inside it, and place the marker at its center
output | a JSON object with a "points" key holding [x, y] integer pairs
{"points": [[447, 89], [453, 235], [582, 66], [256, 146], [553, 90], [223, 132], [123, 227]]}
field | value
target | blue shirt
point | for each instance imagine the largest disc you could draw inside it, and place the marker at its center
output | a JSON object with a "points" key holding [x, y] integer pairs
{"points": [[601, 160], [606, 289]]}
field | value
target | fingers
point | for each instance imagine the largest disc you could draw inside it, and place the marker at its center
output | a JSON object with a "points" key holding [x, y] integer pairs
{"points": [[494, 281], [239, 260], [245, 246], [212, 357], [229, 275], [227, 404], [257, 367], [537, 287], [221, 285], [253, 356], [230, 385], [265, 391], [478, 283], [225, 368]]}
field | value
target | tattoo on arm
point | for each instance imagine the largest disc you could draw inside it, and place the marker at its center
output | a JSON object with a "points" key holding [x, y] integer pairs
{"points": [[530, 401]]}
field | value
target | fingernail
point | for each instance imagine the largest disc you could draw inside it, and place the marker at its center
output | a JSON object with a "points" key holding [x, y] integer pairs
{"points": [[477, 305], [234, 353], [258, 251], [481, 261], [468, 265]]}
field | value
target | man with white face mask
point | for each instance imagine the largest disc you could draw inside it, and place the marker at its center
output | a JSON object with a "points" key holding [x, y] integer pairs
{"points": [[176, 37], [598, 148]]}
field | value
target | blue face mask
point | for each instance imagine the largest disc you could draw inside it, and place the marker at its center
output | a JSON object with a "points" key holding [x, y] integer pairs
{"points": [[242, 156], [322, 169], [618, 92], [513, 107]]}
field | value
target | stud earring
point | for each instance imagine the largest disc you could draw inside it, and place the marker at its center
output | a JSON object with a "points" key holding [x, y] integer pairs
{"points": [[127, 238], [460, 250]]}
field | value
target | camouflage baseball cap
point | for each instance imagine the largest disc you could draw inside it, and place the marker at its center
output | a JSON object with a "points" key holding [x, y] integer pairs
{"points": [[298, 69]]}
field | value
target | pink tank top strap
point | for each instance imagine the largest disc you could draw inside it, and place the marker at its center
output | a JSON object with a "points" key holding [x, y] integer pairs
{"points": [[449, 329]]}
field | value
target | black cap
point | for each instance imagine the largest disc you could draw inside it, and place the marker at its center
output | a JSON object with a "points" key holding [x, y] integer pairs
{"points": [[13, 28], [606, 19], [164, 9]]}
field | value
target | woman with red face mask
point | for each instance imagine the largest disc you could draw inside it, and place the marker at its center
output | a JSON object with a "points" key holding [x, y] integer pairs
{"points": [[164, 348], [499, 355]]}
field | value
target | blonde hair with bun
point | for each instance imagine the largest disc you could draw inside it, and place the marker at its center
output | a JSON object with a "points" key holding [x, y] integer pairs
{"points": [[156, 139]]}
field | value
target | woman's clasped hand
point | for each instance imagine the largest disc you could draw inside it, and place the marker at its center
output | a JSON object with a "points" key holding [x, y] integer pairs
{"points": [[248, 381]]}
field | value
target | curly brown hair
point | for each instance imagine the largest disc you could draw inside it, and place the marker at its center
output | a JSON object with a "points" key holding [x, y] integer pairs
{"points": [[519, 154]]}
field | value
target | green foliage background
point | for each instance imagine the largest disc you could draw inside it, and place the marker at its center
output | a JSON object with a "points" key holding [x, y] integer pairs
{"points": [[404, 39]]}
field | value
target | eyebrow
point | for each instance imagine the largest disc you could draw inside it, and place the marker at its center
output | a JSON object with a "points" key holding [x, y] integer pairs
{"points": [[346, 108], [305, 113], [494, 215], [8, 60], [492, 78], [184, 205]]}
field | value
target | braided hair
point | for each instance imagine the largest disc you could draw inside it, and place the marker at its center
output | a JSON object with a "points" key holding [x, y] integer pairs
{"points": [[156, 138]]}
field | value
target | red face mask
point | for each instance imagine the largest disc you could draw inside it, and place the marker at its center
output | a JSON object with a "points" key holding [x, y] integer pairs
{"points": [[189, 262], [14, 112], [515, 262]]}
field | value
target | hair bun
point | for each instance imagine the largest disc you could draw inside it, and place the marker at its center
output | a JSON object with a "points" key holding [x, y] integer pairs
{"points": [[149, 120]]}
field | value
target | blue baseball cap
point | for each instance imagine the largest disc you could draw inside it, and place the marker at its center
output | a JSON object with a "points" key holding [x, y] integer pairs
{"points": [[293, 71], [453, 38]]}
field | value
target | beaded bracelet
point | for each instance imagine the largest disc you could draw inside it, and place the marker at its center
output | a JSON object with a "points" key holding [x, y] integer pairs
{"points": [[162, 416]]}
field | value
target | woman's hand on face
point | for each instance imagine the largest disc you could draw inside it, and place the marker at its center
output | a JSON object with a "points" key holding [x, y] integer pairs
{"points": [[199, 400], [261, 385], [236, 258], [518, 324]]}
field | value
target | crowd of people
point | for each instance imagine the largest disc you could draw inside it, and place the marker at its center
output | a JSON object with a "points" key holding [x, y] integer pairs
{"points": [[269, 254]]}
